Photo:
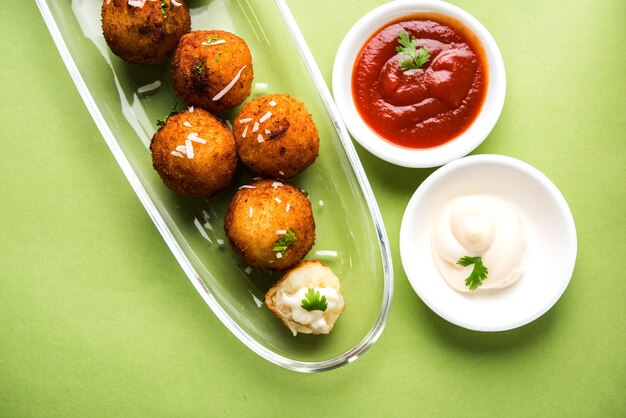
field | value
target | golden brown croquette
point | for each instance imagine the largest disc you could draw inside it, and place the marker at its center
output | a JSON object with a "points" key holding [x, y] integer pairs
{"points": [[212, 70], [144, 32], [270, 224], [276, 136], [194, 153]]}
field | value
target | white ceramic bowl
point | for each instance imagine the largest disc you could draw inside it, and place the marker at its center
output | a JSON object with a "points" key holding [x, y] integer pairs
{"points": [[550, 242], [432, 157]]}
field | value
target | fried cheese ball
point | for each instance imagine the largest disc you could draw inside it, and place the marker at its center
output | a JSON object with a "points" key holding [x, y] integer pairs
{"points": [[144, 31], [194, 153], [212, 69], [270, 224], [307, 299], [276, 136]]}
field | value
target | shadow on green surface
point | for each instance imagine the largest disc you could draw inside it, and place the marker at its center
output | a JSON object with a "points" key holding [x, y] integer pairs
{"points": [[468, 342], [393, 179]]}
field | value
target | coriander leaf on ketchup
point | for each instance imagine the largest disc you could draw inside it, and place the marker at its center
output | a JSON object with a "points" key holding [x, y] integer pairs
{"points": [[421, 81]]}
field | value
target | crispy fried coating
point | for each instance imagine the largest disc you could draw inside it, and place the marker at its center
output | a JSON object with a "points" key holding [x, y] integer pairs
{"points": [[147, 34], [205, 65], [276, 136], [260, 215], [202, 171]]}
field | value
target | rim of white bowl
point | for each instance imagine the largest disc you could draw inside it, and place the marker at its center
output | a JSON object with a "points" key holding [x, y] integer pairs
{"points": [[465, 143], [488, 159]]}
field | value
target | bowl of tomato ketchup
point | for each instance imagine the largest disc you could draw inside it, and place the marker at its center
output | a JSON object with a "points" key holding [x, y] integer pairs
{"points": [[419, 83]]}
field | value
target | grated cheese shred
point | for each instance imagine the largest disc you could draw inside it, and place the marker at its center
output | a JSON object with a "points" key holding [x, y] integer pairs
{"points": [[228, 86]]}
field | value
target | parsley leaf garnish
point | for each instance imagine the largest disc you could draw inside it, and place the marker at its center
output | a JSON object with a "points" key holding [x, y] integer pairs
{"points": [[313, 301], [417, 56], [199, 67], [479, 273], [164, 7], [217, 59], [213, 39], [173, 112], [283, 243]]}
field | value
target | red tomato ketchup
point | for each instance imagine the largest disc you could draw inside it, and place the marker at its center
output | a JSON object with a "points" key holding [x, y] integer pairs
{"points": [[425, 107]]}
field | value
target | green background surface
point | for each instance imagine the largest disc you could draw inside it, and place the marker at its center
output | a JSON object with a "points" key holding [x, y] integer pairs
{"points": [[98, 319]]}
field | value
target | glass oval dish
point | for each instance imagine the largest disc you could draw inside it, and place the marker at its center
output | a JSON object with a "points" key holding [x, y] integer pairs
{"points": [[351, 237]]}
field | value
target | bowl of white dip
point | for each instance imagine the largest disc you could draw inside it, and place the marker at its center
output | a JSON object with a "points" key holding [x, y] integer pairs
{"points": [[488, 243]]}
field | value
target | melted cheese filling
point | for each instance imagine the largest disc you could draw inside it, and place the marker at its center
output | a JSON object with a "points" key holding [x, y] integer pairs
{"points": [[292, 291]]}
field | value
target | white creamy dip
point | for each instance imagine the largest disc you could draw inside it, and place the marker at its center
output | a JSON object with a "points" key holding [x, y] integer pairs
{"points": [[315, 320], [479, 226], [292, 291]]}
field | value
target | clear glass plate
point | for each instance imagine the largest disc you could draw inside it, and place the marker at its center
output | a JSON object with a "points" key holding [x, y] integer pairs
{"points": [[346, 214]]}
